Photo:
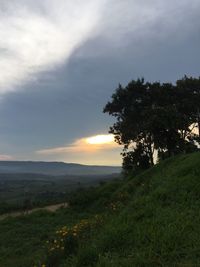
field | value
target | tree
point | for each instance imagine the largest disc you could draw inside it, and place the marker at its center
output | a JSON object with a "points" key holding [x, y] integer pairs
{"points": [[154, 118], [135, 160], [130, 106], [190, 88]]}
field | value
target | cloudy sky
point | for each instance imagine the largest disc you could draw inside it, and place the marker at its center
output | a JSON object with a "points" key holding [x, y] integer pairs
{"points": [[61, 61]]}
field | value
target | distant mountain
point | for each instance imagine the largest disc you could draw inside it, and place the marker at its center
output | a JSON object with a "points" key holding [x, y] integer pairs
{"points": [[55, 168]]}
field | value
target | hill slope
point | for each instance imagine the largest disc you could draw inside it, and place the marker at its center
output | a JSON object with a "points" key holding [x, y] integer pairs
{"points": [[151, 220], [155, 220]]}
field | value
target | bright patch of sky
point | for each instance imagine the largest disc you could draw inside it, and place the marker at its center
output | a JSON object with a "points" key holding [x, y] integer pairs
{"points": [[37, 36]]}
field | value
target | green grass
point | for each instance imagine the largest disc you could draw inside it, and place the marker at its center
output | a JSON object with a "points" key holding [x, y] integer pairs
{"points": [[157, 222], [22, 239], [149, 220]]}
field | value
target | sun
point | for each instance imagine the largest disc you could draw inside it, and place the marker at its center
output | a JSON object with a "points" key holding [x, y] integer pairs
{"points": [[100, 139]]}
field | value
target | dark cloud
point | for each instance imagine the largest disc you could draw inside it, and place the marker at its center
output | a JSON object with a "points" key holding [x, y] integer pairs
{"points": [[159, 43]]}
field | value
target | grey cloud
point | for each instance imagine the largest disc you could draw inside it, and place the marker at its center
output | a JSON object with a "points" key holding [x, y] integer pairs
{"points": [[66, 103], [40, 35]]}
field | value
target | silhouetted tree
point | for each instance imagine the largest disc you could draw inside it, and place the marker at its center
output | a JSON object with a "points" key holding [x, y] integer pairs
{"points": [[130, 106], [154, 118], [190, 98]]}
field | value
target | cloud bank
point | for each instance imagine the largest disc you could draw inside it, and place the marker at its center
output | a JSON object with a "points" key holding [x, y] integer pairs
{"points": [[90, 144], [140, 23], [98, 149], [68, 56], [38, 35]]}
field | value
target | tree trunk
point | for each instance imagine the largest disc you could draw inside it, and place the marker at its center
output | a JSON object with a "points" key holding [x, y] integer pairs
{"points": [[198, 121], [151, 154]]}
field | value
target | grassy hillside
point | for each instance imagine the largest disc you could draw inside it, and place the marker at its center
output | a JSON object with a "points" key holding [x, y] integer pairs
{"points": [[156, 221], [152, 219]]}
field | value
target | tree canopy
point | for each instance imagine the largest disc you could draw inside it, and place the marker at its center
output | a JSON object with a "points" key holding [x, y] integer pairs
{"points": [[155, 120]]}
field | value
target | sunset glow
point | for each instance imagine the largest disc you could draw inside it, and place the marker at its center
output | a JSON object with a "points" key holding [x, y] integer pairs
{"points": [[91, 144], [100, 139]]}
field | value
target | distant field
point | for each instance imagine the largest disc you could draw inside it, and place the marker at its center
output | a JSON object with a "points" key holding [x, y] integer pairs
{"points": [[26, 191]]}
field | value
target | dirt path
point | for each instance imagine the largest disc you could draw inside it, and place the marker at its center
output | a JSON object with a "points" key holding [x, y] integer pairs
{"points": [[51, 208]]}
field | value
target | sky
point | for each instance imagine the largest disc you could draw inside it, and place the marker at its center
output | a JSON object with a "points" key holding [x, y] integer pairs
{"points": [[61, 61]]}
